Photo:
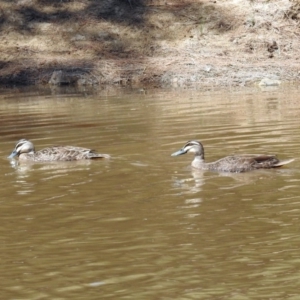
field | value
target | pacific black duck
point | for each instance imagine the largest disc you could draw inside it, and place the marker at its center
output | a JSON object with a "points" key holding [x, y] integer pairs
{"points": [[233, 163], [25, 151]]}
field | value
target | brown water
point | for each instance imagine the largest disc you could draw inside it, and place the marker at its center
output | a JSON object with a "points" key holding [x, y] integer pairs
{"points": [[144, 225]]}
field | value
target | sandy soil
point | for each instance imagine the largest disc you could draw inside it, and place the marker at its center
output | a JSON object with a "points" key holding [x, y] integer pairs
{"points": [[149, 42]]}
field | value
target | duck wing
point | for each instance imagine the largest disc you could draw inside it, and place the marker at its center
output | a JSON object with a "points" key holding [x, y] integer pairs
{"points": [[270, 161], [246, 162], [67, 153]]}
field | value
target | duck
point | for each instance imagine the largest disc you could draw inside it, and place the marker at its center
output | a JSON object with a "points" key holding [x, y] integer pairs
{"points": [[25, 151], [233, 163]]}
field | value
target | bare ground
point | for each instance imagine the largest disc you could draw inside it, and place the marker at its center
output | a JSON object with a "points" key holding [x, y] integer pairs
{"points": [[155, 42]]}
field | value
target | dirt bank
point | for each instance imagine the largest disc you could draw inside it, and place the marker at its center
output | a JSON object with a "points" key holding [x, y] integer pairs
{"points": [[154, 42]]}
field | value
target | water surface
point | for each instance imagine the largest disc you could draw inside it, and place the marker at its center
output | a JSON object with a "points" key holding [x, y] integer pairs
{"points": [[143, 225]]}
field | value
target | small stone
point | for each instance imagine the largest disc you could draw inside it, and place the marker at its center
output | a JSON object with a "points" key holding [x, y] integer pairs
{"points": [[78, 37], [207, 68], [269, 82]]}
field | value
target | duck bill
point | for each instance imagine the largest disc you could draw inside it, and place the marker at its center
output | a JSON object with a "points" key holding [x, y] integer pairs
{"points": [[179, 152], [13, 154]]}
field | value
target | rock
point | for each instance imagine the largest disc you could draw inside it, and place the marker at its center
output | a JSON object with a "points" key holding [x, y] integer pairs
{"points": [[62, 78], [86, 79], [207, 68], [269, 82], [58, 78], [75, 77], [78, 37]]}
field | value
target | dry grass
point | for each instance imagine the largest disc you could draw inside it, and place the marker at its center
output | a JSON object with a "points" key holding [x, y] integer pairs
{"points": [[183, 42]]}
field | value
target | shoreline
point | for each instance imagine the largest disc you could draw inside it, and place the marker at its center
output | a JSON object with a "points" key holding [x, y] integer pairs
{"points": [[149, 43]]}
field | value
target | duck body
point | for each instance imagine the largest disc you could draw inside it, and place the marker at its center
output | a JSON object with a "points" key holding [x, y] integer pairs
{"points": [[25, 151], [233, 163]]}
